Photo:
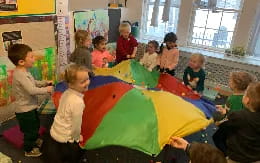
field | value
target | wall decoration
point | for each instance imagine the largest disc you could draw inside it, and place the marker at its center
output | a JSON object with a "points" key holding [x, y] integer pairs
{"points": [[97, 21], [10, 38], [27, 7], [8, 5]]}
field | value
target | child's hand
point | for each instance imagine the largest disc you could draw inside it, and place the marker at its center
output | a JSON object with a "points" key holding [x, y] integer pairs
{"points": [[128, 56], [178, 142], [132, 56], [49, 89], [80, 138]]}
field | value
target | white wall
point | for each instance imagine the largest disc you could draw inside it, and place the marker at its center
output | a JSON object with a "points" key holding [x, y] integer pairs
{"points": [[75, 5]]}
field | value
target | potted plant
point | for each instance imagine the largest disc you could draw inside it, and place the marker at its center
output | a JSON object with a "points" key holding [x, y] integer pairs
{"points": [[236, 52]]}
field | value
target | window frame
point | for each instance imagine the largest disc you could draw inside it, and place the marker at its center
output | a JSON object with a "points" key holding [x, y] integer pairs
{"points": [[145, 36], [222, 10]]}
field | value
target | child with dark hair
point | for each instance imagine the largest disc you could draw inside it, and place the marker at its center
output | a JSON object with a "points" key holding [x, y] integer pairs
{"points": [[25, 89], [149, 59], [199, 152], [100, 55], [242, 129], [169, 57]]}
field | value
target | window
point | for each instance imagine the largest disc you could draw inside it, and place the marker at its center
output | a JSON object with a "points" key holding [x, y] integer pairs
{"points": [[214, 28], [149, 32]]}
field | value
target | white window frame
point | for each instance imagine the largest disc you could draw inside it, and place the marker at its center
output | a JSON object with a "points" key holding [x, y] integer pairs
{"points": [[144, 36], [211, 48]]}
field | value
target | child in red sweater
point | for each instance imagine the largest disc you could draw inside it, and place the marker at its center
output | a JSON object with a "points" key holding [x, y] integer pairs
{"points": [[126, 44]]}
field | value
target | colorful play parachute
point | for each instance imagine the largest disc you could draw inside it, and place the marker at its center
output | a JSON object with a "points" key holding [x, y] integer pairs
{"points": [[120, 114], [132, 107]]}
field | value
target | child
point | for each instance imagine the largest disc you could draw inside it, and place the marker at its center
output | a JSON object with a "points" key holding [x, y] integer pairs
{"points": [[194, 75], [149, 59], [126, 44], [238, 82], [199, 152], [65, 130], [100, 56], [169, 55], [243, 128], [81, 55], [25, 89]]}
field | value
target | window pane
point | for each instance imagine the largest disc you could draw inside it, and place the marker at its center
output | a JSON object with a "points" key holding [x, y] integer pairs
{"points": [[229, 21], [200, 18], [198, 32], [214, 20], [232, 4], [210, 34]]}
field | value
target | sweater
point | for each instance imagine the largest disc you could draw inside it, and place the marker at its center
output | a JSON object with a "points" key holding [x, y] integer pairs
{"points": [[98, 58], [125, 47], [194, 79], [82, 56], [25, 89], [149, 61], [67, 121], [168, 59]]}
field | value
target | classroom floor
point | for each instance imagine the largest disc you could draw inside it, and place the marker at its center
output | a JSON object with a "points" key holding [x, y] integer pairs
{"points": [[109, 154]]}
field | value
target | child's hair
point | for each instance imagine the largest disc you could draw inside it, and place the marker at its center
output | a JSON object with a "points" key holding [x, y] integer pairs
{"points": [[70, 75], [124, 26], [81, 36], [198, 151], [97, 40], [154, 43], [18, 52], [170, 37], [241, 79], [253, 93], [200, 57]]}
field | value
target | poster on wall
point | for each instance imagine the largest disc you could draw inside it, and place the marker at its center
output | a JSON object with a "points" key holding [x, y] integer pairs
{"points": [[96, 21], [10, 38], [8, 5]]}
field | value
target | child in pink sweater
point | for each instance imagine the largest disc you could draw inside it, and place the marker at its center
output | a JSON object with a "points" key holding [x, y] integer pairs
{"points": [[169, 57], [100, 55]]}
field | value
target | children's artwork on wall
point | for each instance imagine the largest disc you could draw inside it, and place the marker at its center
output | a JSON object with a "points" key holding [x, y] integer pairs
{"points": [[44, 69], [8, 5], [38, 35], [10, 38], [97, 21]]}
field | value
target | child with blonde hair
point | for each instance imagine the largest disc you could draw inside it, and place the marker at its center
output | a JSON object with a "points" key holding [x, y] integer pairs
{"points": [[82, 53], [126, 44], [65, 131], [149, 59], [169, 55], [194, 74]]}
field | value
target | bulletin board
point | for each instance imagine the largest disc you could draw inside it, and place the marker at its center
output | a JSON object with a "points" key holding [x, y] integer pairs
{"points": [[32, 7], [38, 35]]}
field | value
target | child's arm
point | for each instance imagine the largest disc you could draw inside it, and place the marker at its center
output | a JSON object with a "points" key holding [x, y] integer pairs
{"points": [[77, 112], [175, 60], [134, 52], [200, 85], [153, 63], [41, 83], [185, 77], [32, 89]]}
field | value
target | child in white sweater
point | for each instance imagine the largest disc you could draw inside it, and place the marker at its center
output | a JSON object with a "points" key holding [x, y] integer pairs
{"points": [[149, 59], [66, 128]]}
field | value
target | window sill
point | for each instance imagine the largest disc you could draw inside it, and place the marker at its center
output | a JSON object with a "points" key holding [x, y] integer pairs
{"points": [[218, 55]]}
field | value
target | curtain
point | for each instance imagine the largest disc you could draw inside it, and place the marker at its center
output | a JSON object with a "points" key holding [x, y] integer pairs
{"points": [[155, 15], [254, 45], [166, 10]]}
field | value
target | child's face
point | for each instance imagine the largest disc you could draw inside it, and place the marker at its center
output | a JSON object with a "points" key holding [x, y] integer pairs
{"points": [[28, 61], [151, 49], [125, 33], [170, 45], [101, 46], [194, 63], [88, 43], [82, 82]]}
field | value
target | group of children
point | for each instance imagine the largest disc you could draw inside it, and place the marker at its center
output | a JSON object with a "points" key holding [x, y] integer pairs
{"points": [[238, 134]]}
